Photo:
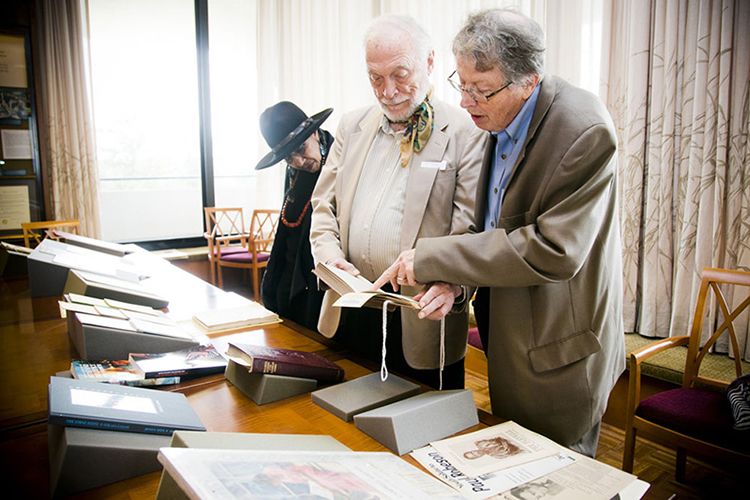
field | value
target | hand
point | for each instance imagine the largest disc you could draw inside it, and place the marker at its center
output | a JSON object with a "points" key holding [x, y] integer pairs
{"points": [[401, 272], [437, 300], [344, 265]]}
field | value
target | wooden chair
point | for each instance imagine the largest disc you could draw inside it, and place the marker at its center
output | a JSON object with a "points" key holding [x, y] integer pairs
{"points": [[254, 246], [223, 223], [43, 227], [695, 418]]}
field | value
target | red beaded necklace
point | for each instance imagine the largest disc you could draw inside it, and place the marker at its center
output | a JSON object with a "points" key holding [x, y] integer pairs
{"points": [[323, 156], [299, 219]]}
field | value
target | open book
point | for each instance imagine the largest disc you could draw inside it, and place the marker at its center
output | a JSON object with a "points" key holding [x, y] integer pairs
{"points": [[357, 291]]}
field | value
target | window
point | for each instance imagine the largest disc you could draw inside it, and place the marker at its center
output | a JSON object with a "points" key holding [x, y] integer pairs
{"points": [[145, 88]]}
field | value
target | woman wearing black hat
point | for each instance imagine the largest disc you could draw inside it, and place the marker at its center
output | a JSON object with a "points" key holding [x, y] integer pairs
{"points": [[289, 288]]}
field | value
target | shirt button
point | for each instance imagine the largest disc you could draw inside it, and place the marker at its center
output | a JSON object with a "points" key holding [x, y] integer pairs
{"points": [[503, 156], [495, 190], [492, 223]]}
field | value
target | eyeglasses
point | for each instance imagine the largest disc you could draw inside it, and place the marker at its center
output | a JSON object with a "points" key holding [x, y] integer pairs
{"points": [[300, 151], [473, 92]]}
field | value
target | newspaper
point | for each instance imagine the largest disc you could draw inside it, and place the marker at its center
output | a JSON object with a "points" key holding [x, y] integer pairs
{"points": [[492, 483], [224, 474], [495, 448], [585, 479], [560, 475]]}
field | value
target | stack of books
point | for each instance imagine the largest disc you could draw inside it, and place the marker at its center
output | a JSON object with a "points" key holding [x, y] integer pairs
{"points": [[152, 369]]}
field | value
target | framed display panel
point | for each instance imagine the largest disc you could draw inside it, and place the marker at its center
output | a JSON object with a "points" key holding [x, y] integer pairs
{"points": [[20, 173]]}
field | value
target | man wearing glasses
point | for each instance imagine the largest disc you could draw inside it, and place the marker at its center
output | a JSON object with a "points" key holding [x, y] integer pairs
{"points": [[546, 255], [404, 169]]}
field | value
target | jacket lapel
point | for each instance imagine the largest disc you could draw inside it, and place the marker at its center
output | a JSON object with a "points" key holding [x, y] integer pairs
{"points": [[544, 101], [420, 180]]}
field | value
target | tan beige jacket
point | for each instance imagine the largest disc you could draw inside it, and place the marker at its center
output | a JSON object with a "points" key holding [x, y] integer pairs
{"points": [[438, 202]]}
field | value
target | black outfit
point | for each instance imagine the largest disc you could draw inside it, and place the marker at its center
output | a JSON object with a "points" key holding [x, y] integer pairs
{"points": [[360, 331], [289, 287]]}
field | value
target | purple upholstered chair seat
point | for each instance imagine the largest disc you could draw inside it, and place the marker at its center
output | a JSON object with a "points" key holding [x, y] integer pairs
{"points": [[232, 250], [243, 257], [700, 413], [474, 339]]}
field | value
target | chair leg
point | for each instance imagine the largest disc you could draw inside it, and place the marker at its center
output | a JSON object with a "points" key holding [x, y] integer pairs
{"points": [[680, 464], [221, 277], [212, 269], [629, 451], [256, 285]]}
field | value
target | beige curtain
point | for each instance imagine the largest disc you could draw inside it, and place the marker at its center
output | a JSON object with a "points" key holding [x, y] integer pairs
{"points": [[67, 138], [676, 83]]}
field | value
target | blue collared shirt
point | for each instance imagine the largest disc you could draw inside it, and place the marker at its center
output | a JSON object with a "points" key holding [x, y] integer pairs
{"points": [[507, 149]]}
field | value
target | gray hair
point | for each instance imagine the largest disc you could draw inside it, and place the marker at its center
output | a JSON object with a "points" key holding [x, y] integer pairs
{"points": [[391, 27], [503, 39]]}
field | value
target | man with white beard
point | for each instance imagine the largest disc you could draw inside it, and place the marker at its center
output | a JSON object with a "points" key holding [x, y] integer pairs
{"points": [[404, 169]]}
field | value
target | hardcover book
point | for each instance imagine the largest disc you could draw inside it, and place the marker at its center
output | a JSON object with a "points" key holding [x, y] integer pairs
{"points": [[356, 291], [82, 403], [263, 359], [119, 371], [249, 314], [192, 362]]}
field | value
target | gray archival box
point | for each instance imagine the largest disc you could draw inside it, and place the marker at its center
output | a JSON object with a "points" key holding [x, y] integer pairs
{"points": [[414, 422], [81, 459], [265, 388], [362, 394], [101, 342], [168, 488]]}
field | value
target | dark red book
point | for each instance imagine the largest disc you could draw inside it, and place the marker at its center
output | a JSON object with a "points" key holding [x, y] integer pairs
{"points": [[274, 361]]}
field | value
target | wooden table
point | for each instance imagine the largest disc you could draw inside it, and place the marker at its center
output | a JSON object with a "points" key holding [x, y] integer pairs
{"points": [[34, 345]]}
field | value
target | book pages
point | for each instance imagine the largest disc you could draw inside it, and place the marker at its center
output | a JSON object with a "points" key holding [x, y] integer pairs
{"points": [[356, 291]]}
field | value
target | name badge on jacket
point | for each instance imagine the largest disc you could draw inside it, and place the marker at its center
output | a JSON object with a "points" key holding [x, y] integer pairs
{"points": [[436, 165]]}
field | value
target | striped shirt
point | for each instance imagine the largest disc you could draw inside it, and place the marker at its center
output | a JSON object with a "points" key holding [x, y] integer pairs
{"points": [[378, 208]]}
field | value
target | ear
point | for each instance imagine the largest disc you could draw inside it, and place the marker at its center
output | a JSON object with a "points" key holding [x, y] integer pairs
{"points": [[531, 84], [430, 62]]}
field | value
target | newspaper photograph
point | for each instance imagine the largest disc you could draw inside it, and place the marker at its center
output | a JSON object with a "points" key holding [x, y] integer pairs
{"points": [[492, 483], [585, 479], [495, 448], [224, 474]]}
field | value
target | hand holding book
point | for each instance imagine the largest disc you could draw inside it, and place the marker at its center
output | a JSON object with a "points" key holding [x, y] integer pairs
{"points": [[357, 291], [401, 272]]}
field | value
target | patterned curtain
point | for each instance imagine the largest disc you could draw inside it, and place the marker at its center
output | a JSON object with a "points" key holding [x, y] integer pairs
{"points": [[67, 132], [677, 85]]}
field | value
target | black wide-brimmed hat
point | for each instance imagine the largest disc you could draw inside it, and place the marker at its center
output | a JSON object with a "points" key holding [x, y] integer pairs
{"points": [[285, 127]]}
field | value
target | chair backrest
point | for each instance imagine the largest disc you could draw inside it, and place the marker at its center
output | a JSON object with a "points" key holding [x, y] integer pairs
{"points": [[720, 282], [263, 229], [36, 231], [223, 221]]}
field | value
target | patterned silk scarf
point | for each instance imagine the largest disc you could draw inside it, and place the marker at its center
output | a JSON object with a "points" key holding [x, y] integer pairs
{"points": [[418, 130]]}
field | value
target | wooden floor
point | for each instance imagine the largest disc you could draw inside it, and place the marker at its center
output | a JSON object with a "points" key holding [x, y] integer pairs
{"points": [[653, 463]]}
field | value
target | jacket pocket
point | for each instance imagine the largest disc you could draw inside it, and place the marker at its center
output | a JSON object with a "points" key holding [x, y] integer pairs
{"points": [[564, 351]]}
